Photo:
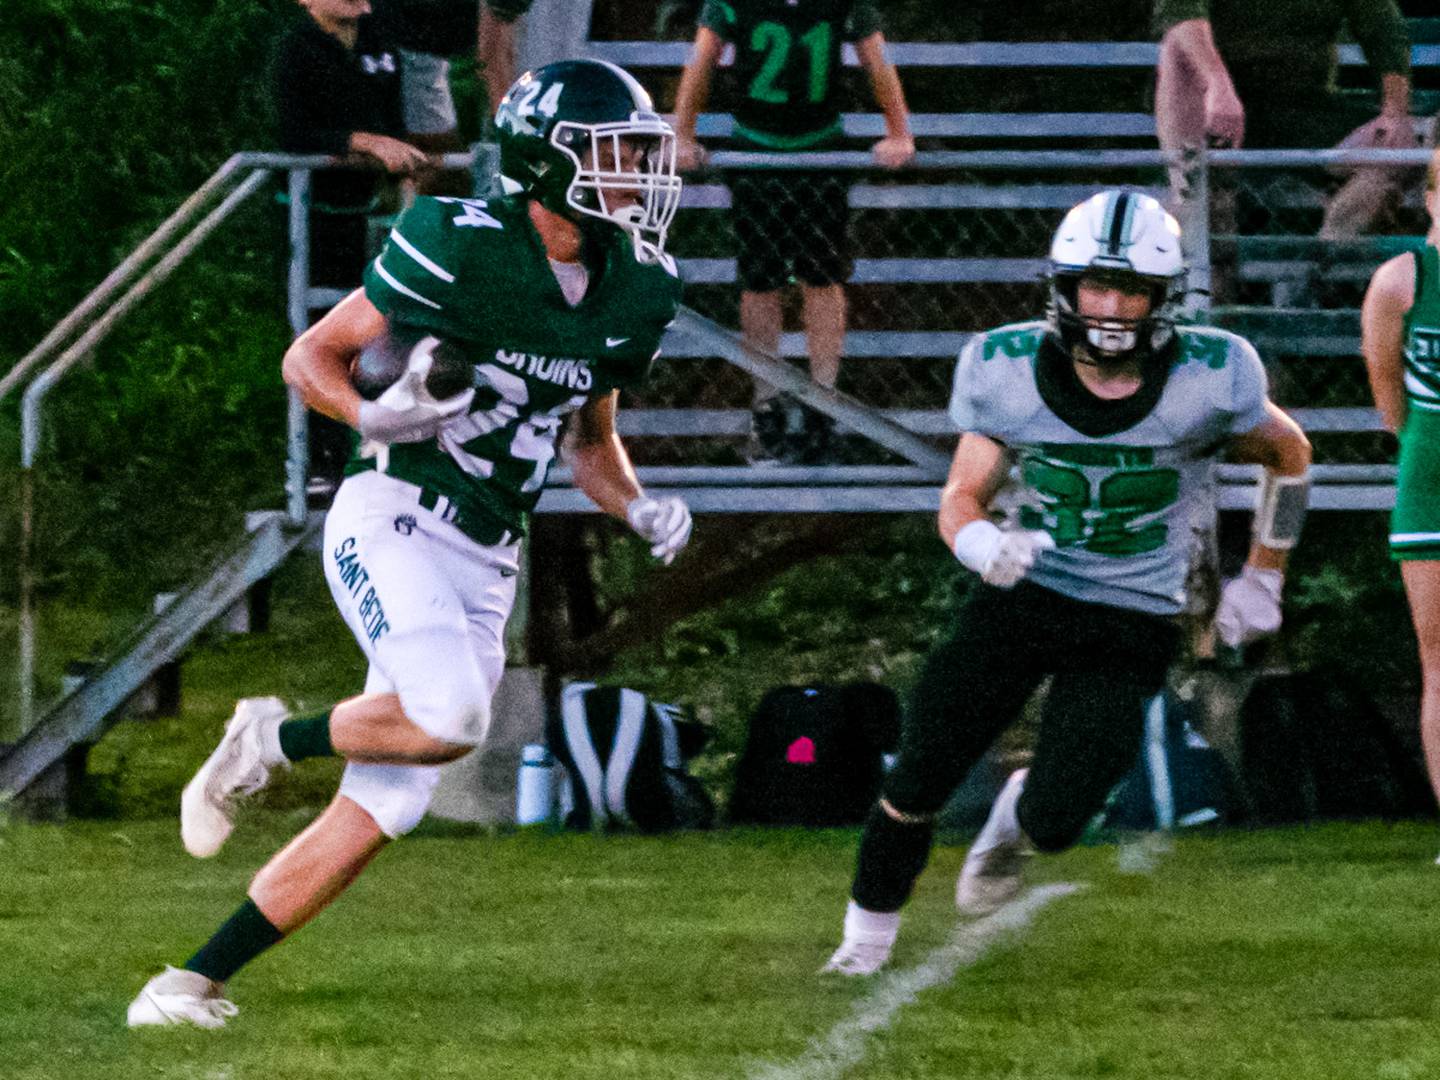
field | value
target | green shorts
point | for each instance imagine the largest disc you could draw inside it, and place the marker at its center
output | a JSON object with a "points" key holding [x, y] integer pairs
{"points": [[1415, 521]]}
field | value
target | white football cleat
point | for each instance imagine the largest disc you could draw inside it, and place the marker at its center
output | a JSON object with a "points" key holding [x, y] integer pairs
{"points": [[869, 937], [236, 768], [858, 958], [177, 996], [993, 867]]}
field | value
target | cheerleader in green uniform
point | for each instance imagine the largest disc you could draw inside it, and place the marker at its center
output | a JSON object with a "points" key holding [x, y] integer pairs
{"points": [[1400, 337]]}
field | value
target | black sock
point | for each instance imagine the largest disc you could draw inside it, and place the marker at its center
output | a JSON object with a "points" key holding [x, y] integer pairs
{"points": [[244, 936], [306, 736], [892, 854]]}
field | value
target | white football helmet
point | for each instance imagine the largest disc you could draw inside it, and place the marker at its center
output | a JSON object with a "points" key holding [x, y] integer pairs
{"points": [[1119, 237]]}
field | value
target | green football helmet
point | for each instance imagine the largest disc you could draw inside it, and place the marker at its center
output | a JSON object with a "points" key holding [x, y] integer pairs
{"points": [[582, 137]]}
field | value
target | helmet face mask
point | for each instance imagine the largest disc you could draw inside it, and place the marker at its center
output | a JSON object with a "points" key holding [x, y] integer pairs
{"points": [[1125, 243], [623, 173], [1115, 335], [583, 139]]}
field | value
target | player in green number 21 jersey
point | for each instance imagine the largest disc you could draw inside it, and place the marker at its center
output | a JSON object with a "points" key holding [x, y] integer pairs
{"points": [[1400, 337], [558, 294], [1095, 430]]}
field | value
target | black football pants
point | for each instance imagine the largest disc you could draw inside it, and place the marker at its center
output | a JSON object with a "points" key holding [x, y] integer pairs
{"points": [[1107, 662]]}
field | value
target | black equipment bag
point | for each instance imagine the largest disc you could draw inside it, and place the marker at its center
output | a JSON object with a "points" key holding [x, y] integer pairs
{"points": [[624, 757], [1314, 745], [814, 755], [1180, 780]]}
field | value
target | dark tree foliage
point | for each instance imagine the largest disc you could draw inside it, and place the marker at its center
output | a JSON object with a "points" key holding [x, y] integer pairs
{"points": [[111, 113]]}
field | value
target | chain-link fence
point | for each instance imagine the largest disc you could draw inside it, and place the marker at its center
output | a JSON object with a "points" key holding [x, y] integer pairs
{"points": [[958, 244], [1292, 248]]}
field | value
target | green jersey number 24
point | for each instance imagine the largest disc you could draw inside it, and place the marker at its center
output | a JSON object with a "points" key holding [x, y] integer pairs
{"points": [[508, 434]]}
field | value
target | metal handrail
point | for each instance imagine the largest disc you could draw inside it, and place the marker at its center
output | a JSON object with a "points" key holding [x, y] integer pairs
{"points": [[42, 384], [790, 380], [973, 54], [877, 427], [862, 160], [133, 263], [102, 312], [122, 273]]}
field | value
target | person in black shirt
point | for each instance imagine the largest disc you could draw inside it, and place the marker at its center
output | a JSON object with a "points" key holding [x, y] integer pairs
{"points": [[337, 90], [336, 80]]}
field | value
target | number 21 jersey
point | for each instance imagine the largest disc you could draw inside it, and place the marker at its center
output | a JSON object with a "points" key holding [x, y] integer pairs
{"points": [[787, 72]]}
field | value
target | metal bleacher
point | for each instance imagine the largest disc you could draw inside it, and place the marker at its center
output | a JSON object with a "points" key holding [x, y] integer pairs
{"points": [[1018, 179]]}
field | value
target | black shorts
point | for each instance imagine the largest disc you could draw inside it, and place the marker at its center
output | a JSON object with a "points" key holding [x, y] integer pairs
{"points": [[1317, 126], [791, 225]]}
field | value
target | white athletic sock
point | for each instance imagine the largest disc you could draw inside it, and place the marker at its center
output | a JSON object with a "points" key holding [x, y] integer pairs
{"points": [[870, 927]]}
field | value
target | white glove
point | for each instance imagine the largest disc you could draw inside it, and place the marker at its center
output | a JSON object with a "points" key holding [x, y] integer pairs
{"points": [[665, 523], [407, 412], [1000, 556], [1249, 606]]}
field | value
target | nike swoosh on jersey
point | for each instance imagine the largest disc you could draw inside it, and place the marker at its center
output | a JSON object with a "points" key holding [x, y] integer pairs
{"points": [[612, 342]]}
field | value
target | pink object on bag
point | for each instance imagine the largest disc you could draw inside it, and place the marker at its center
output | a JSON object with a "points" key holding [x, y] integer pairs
{"points": [[801, 751]]}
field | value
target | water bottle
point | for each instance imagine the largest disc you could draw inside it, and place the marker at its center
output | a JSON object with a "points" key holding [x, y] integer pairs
{"points": [[535, 786]]}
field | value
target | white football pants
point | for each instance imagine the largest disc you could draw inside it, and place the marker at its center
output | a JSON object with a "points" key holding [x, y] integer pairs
{"points": [[428, 607]]}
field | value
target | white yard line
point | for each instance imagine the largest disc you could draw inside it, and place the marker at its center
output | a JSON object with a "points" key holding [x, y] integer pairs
{"points": [[844, 1046]]}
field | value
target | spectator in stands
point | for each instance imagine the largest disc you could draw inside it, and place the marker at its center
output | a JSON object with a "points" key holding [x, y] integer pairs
{"points": [[337, 90], [1236, 74], [433, 30], [791, 225], [1400, 337], [430, 31]]}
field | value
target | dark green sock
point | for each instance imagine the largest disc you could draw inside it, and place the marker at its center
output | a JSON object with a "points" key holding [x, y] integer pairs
{"points": [[306, 737], [244, 936]]}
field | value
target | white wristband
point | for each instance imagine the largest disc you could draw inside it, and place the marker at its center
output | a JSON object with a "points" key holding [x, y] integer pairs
{"points": [[975, 545]]}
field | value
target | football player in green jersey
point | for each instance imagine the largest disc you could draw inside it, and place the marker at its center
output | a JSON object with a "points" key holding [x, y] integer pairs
{"points": [[1103, 421], [559, 294], [1400, 337]]}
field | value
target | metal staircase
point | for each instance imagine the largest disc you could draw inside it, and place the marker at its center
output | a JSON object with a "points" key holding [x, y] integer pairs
{"points": [[84, 715]]}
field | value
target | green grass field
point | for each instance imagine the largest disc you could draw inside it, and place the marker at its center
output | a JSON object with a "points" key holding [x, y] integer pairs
{"points": [[1307, 953], [1296, 954]]}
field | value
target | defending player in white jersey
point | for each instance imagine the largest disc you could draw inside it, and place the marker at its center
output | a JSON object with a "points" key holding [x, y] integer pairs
{"points": [[555, 297], [1104, 420]]}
